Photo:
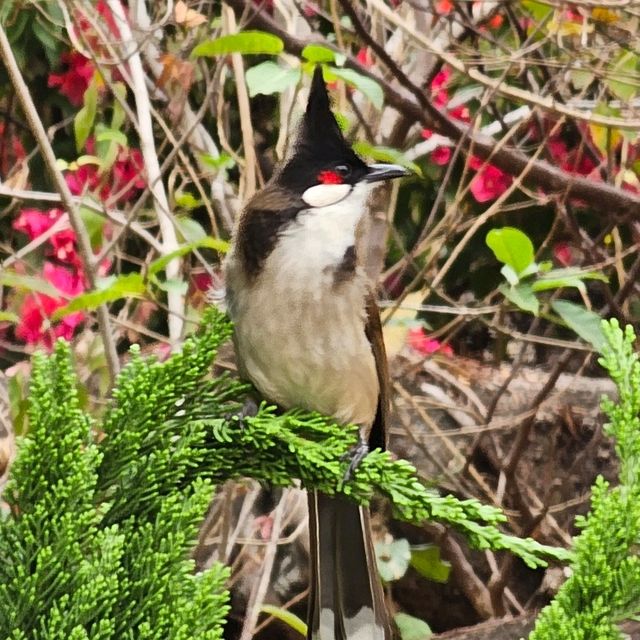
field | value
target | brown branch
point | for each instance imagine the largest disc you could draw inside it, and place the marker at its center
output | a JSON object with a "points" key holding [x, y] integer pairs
{"points": [[84, 243], [600, 196]]}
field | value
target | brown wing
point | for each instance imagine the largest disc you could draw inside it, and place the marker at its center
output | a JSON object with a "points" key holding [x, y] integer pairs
{"points": [[378, 436]]}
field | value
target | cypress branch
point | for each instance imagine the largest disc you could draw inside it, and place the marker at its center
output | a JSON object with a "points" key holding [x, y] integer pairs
{"points": [[104, 510]]}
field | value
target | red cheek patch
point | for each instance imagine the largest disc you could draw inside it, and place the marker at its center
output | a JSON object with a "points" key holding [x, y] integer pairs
{"points": [[329, 177]]}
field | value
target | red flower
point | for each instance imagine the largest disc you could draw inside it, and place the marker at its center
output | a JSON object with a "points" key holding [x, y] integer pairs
{"points": [[128, 174], [439, 87], [34, 222], [444, 7], [441, 155], [365, 57], [11, 150], [426, 133], [489, 183], [84, 178], [419, 341], [64, 247], [74, 81], [563, 254]]}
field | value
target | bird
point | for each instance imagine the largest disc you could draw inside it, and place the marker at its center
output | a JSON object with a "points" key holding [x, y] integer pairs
{"points": [[307, 334]]}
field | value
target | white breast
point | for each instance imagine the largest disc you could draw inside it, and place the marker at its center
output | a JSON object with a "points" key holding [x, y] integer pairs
{"points": [[299, 334]]}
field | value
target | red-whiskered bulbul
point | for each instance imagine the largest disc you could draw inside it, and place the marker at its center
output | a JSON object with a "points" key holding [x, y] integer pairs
{"points": [[308, 335]]}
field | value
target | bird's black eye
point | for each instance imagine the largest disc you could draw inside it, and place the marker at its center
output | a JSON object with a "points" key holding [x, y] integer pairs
{"points": [[343, 170]]}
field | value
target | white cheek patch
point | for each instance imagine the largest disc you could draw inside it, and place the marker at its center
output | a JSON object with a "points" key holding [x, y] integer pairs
{"points": [[323, 195]]}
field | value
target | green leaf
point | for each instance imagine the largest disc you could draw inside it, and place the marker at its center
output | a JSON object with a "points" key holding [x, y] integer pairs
{"points": [[186, 200], [370, 88], [223, 161], [412, 628], [585, 323], [569, 277], [94, 224], [385, 154], [510, 275], [621, 78], [319, 53], [290, 619], [84, 119], [118, 116], [204, 243], [393, 559], [511, 246], [173, 284], [112, 135], [245, 42], [425, 559], [522, 296], [190, 229], [124, 286], [539, 10], [30, 283], [268, 77], [8, 316]]}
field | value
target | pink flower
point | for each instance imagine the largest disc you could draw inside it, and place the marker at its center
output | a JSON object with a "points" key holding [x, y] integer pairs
{"points": [[35, 326], [73, 82], [419, 341], [426, 133], [489, 183], [441, 155], [67, 281], [34, 222]]}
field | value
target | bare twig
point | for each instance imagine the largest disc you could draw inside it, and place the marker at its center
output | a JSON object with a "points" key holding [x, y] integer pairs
{"points": [[175, 298], [84, 243]]}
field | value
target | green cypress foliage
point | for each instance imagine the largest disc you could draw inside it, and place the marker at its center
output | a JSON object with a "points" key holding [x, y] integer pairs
{"points": [[604, 587], [105, 509]]}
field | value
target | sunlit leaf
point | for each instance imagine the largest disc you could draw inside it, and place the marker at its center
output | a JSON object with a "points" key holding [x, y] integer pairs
{"points": [[268, 77], [426, 560], [511, 246], [385, 154], [8, 316], [412, 628], [370, 88], [84, 119], [245, 42], [621, 78], [186, 200], [204, 243], [319, 53], [290, 619], [130, 285], [569, 277], [583, 322], [29, 283]]}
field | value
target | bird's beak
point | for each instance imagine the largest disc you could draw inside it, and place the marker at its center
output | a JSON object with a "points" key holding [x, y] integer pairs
{"points": [[379, 172]]}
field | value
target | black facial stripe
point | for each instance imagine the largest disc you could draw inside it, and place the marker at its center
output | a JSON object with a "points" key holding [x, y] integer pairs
{"points": [[258, 233], [347, 267]]}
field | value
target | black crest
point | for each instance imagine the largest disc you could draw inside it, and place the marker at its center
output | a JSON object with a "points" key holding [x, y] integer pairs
{"points": [[320, 144]]}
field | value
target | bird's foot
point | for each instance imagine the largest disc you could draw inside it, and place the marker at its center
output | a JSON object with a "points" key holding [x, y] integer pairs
{"points": [[249, 410], [355, 456]]}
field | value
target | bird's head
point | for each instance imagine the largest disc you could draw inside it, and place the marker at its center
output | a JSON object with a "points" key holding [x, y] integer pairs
{"points": [[322, 168]]}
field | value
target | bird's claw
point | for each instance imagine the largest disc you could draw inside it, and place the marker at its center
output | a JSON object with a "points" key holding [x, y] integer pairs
{"points": [[249, 410], [355, 455]]}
